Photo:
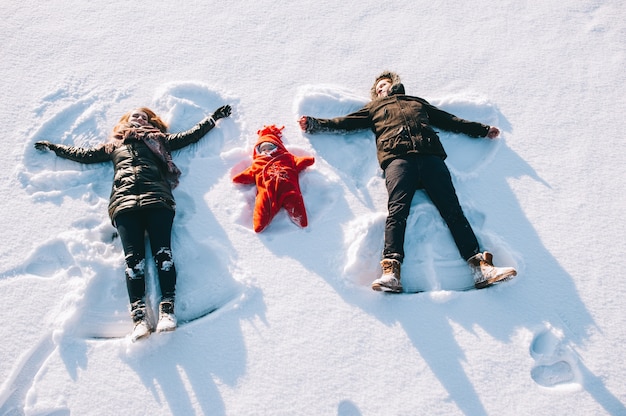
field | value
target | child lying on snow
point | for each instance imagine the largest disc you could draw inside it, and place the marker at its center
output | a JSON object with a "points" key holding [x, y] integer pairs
{"points": [[275, 172]]}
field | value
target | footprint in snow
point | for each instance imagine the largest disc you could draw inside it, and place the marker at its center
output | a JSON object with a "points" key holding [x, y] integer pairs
{"points": [[555, 362]]}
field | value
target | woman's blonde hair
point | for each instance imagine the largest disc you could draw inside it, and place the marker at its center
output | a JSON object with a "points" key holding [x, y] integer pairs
{"points": [[153, 120]]}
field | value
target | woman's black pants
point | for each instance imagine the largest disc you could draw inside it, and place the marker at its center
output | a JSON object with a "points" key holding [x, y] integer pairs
{"points": [[132, 227]]}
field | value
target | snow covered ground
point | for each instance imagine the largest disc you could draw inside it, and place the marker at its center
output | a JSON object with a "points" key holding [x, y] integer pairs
{"points": [[297, 331]]}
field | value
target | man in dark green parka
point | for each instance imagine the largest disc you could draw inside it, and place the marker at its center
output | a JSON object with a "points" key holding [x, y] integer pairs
{"points": [[411, 155]]}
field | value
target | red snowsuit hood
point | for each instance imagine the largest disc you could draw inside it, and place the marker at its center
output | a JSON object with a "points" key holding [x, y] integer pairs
{"points": [[273, 135]]}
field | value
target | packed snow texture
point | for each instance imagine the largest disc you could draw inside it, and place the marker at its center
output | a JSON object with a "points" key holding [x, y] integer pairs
{"points": [[284, 322]]}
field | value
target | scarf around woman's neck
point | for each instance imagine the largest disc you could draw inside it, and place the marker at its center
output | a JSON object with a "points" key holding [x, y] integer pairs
{"points": [[155, 140]]}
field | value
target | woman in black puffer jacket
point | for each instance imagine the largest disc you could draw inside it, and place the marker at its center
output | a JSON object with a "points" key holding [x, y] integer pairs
{"points": [[141, 200]]}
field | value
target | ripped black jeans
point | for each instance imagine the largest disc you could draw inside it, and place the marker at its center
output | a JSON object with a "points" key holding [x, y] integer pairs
{"points": [[403, 178], [132, 227]]}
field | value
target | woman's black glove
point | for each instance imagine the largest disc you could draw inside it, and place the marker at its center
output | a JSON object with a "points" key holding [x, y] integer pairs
{"points": [[222, 112], [44, 145]]}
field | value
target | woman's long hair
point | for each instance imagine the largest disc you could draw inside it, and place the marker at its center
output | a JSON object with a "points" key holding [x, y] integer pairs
{"points": [[122, 128], [153, 120]]}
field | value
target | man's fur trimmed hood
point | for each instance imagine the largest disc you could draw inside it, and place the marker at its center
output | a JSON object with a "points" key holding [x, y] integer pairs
{"points": [[396, 84]]}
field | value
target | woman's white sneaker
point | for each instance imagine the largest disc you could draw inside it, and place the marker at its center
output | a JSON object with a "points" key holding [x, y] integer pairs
{"points": [[167, 319]]}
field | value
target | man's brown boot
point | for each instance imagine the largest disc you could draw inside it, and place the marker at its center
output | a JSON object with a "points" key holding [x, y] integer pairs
{"points": [[485, 273]]}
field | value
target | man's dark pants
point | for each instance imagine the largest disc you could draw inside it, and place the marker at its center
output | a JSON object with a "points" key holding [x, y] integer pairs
{"points": [[403, 178]]}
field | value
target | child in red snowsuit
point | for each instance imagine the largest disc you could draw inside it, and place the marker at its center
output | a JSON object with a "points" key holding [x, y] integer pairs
{"points": [[275, 172]]}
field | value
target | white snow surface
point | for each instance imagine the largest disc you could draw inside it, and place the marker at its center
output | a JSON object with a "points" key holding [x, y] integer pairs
{"points": [[297, 329]]}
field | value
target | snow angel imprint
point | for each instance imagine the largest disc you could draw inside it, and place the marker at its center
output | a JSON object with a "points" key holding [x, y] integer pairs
{"points": [[142, 202], [412, 156], [275, 172]]}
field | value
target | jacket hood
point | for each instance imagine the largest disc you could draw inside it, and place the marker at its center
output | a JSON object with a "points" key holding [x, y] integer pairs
{"points": [[270, 134], [396, 85]]}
